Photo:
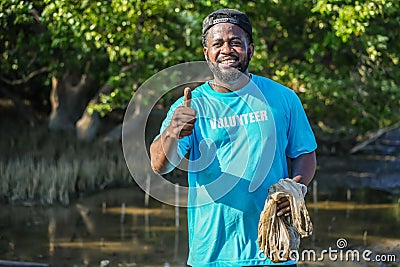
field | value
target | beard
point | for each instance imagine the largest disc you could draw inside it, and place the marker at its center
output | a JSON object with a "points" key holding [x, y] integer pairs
{"points": [[228, 75]]}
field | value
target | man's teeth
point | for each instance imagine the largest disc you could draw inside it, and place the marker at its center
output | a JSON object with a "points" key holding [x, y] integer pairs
{"points": [[228, 61]]}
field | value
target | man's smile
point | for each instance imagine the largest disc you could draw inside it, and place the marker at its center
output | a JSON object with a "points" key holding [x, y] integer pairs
{"points": [[229, 61]]}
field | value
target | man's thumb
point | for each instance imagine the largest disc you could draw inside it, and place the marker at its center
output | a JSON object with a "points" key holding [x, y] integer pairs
{"points": [[187, 97]]}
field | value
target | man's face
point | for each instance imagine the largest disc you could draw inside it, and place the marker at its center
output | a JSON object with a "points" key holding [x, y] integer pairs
{"points": [[228, 51]]}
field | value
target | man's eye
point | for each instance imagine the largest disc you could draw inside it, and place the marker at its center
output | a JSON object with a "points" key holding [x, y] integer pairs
{"points": [[217, 44], [236, 43]]}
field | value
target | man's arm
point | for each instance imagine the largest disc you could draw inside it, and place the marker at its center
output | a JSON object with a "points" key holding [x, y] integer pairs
{"points": [[303, 170], [164, 150], [163, 153]]}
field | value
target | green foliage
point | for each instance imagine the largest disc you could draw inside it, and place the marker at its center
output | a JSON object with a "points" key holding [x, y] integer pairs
{"points": [[127, 33], [22, 45], [363, 60], [341, 56]]}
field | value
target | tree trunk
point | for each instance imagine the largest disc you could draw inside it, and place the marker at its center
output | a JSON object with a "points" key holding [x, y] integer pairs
{"points": [[88, 125], [68, 101]]}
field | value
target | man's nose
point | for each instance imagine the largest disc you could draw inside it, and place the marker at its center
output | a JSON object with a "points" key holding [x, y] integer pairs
{"points": [[226, 48]]}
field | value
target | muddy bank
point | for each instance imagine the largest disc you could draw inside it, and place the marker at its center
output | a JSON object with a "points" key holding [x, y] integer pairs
{"points": [[361, 174]]}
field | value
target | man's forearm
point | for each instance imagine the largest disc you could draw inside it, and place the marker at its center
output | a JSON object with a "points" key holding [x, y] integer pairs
{"points": [[163, 153], [303, 168]]}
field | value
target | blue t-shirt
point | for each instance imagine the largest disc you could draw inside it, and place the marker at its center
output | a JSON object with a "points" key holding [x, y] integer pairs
{"points": [[238, 149]]}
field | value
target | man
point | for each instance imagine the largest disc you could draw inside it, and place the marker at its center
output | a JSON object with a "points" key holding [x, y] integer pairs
{"points": [[239, 130]]}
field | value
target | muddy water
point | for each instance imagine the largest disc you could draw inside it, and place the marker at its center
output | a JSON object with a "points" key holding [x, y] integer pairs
{"points": [[95, 229], [115, 225]]}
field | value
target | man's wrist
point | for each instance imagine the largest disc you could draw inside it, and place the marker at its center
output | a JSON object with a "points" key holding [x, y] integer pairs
{"points": [[171, 133]]}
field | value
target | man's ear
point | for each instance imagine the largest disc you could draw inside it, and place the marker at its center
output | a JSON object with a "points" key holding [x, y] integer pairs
{"points": [[205, 50], [250, 51]]}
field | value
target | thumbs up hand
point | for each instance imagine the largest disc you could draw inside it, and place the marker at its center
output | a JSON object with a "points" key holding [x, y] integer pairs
{"points": [[187, 97], [184, 117]]}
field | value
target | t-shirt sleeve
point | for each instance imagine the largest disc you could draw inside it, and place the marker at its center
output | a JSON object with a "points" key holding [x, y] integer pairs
{"points": [[183, 143], [301, 138]]}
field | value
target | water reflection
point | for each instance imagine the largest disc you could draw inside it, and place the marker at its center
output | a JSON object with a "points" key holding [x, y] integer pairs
{"points": [[116, 226], [94, 230]]}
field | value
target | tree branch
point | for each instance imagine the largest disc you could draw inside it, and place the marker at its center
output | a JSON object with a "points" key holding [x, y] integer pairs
{"points": [[26, 78]]}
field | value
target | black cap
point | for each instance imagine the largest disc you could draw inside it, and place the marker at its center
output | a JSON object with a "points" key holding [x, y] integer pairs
{"points": [[227, 15]]}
